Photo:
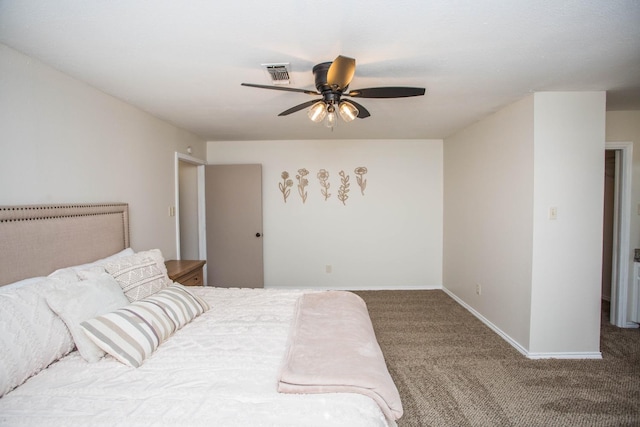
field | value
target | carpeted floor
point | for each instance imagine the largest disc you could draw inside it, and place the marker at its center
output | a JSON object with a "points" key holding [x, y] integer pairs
{"points": [[452, 370]]}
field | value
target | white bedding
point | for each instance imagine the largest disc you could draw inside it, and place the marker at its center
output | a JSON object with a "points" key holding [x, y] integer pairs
{"points": [[219, 370]]}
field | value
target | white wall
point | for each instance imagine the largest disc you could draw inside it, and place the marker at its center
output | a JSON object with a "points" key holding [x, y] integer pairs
{"points": [[62, 141], [488, 205], [569, 145], [389, 238], [624, 126], [540, 278]]}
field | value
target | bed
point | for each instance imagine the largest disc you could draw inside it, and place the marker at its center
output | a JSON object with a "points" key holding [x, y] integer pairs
{"points": [[199, 356]]}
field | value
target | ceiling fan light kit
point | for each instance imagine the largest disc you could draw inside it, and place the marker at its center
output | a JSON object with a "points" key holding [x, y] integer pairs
{"points": [[332, 118], [348, 111], [317, 112], [332, 80], [320, 110]]}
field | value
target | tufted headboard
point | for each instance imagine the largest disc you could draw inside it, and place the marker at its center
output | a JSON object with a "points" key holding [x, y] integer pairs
{"points": [[36, 240]]}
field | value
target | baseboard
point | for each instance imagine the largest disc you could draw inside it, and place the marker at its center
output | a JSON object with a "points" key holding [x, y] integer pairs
{"points": [[486, 321], [578, 355], [515, 344], [360, 288]]}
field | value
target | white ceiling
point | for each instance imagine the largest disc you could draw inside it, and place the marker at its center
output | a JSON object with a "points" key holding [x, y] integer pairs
{"points": [[183, 61]]}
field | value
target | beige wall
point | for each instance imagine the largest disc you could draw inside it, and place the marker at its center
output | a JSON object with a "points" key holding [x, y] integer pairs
{"points": [[540, 278], [569, 140], [389, 238], [488, 208], [62, 141]]}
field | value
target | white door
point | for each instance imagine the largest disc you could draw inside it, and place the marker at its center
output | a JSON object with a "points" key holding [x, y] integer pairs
{"points": [[234, 225]]}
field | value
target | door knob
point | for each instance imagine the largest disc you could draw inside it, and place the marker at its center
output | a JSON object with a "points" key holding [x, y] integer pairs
{"points": [[258, 234]]}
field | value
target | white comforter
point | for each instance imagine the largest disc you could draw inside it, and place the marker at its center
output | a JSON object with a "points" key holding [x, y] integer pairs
{"points": [[219, 370]]}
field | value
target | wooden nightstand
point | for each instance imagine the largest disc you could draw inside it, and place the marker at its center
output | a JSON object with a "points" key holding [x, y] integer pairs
{"points": [[186, 272]]}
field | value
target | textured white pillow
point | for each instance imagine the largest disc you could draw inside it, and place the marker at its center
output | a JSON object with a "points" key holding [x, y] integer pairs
{"points": [[138, 277], [132, 333], [156, 255], [21, 283], [32, 336], [141, 274], [72, 274], [80, 301]]}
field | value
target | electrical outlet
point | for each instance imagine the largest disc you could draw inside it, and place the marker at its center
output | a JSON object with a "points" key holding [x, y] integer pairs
{"points": [[478, 289], [328, 268]]}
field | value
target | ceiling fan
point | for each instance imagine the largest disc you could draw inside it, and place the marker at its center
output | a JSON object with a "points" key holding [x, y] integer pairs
{"points": [[332, 82]]}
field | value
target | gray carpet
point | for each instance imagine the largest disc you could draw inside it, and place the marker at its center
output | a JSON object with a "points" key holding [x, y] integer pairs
{"points": [[452, 370]]}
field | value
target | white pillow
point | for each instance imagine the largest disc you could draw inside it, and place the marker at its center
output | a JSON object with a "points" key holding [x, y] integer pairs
{"points": [[32, 336], [156, 255], [140, 275], [71, 274], [80, 301], [21, 283]]}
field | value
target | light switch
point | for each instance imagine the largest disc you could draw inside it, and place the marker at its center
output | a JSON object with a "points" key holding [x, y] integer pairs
{"points": [[553, 213]]}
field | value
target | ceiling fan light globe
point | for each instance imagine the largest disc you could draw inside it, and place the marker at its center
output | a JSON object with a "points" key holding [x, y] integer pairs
{"points": [[348, 111], [332, 119], [317, 112]]}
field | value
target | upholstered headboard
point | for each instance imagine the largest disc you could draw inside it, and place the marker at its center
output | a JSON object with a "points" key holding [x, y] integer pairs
{"points": [[39, 239]]}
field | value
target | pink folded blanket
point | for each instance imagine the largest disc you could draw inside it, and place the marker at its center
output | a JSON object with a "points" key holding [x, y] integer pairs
{"points": [[333, 349]]}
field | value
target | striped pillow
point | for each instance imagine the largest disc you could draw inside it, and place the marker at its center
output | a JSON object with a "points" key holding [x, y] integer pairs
{"points": [[179, 304], [132, 333]]}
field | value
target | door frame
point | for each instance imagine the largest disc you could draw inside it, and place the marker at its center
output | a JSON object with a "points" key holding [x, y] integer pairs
{"points": [[621, 233], [202, 235]]}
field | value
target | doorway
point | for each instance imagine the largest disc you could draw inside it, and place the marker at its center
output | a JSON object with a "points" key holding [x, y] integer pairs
{"points": [[190, 209], [616, 229]]}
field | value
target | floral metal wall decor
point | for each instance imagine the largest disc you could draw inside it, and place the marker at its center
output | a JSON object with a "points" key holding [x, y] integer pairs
{"points": [[359, 178], [302, 183], [285, 184], [323, 179], [344, 187]]}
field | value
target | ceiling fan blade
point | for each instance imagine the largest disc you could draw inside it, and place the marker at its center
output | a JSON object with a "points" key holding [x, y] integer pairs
{"points": [[287, 89], [299, 107], [341, 72], [363, 113], [386, 92]]}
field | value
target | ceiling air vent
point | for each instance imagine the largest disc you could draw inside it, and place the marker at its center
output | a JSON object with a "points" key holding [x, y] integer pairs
{"points": [[278, 73]]}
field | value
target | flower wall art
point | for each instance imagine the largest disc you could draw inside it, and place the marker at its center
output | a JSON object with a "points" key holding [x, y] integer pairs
{"points": [[285, 185], [323, 177], [302, 183], [324, 184]]}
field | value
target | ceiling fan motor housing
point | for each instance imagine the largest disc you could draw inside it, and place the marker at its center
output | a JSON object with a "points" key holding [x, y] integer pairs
{"points": [[320, 73], [329, 95]]}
